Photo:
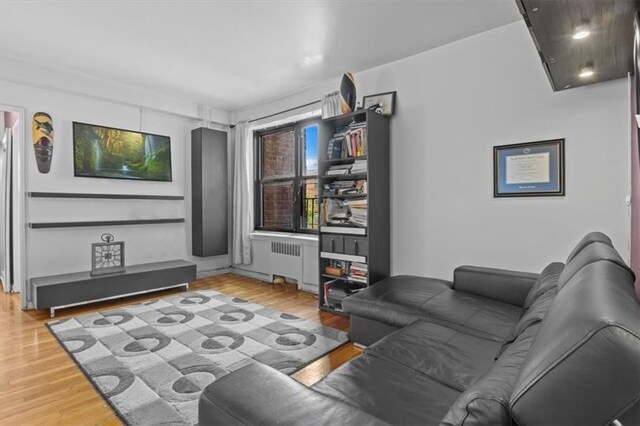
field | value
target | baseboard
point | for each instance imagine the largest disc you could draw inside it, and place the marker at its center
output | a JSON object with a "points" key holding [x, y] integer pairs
{"points": [[251, 274], [213, 272], [309, 288]]}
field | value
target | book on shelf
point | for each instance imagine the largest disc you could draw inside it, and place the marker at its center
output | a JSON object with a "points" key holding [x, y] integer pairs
{"points": [[331, 104], [348, 142], [358, 272], [339, 169], [359, 166], [326, 286]]}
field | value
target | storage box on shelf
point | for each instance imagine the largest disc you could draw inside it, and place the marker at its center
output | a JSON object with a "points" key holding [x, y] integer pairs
{"points": [[353, 165]]}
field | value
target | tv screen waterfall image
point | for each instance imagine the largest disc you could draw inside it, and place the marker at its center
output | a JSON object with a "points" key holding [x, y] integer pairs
{"points": [[106, 152]]}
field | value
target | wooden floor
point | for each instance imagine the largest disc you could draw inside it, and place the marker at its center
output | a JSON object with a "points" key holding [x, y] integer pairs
{"points": [[40, 384]]}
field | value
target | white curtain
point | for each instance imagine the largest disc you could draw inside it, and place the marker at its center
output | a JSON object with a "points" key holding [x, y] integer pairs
{"points": [[242, 194]]}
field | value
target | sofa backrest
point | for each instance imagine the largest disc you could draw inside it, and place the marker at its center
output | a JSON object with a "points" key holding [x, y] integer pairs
{"points": [[594, 252], [591, 237], [583, 366], [548, 279]]}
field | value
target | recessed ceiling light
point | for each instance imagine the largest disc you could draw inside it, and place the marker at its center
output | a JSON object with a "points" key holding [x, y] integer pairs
{"points": [[581, 31], [579, 35], [586, 71], [313, 59]]}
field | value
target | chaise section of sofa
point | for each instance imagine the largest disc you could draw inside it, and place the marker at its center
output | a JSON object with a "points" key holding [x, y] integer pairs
{"points": [[259, 395], [570, 358], [482, 301]]}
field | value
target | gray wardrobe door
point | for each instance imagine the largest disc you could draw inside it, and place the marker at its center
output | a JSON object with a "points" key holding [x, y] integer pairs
{"points": [[209, 192]]}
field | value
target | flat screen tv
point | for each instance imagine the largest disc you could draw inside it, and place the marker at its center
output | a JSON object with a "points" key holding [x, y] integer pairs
{"points": [[107, 152]]}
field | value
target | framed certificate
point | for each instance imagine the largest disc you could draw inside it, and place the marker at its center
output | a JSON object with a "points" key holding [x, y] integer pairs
{"points": [[533, 169]]}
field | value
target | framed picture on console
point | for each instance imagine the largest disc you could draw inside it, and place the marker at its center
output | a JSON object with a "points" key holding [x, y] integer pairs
{"points": [[532, 169]]}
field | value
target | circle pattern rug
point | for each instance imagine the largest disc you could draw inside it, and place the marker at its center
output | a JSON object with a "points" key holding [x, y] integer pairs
{"points": [[151, 361]]}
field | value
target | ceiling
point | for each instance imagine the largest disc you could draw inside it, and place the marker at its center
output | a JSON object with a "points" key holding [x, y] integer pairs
{"points": [[233, 54], [606, 48]]}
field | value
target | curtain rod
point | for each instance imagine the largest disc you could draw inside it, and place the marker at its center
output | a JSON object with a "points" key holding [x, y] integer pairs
{"points": [[279, 112]]}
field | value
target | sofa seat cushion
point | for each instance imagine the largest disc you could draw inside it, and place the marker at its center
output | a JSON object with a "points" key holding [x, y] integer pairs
{"points": [[448, 356], [401, 300], [388, 391], [486, 402]]}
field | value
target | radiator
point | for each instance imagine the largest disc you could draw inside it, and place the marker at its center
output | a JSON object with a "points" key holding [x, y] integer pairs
{"points": [[285, 248], [286, 260]]}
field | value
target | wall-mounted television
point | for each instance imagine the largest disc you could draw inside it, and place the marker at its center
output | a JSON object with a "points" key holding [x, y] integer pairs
{"points": [[107, 152]]}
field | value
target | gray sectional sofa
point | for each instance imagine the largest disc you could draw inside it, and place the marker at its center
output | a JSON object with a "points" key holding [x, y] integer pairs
{"points": [[492, 347]]}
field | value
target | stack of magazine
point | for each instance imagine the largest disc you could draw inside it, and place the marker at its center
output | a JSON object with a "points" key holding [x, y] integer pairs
{"points": [[358, 272], [339, 169], [359, 166], [358, 211]]}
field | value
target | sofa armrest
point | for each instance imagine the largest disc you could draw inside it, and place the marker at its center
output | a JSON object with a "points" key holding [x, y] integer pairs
{"points": [[259, 395], [499, 284]]}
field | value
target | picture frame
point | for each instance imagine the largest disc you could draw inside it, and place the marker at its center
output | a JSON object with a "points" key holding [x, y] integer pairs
{"points": [[386, 102], [532, 169]]}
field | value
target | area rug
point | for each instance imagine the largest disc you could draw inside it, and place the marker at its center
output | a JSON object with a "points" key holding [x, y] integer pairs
{"points": [[150, 361]]}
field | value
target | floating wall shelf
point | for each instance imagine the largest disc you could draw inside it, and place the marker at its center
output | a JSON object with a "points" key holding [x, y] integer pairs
{"points": [[50, 225], [103, 196]]}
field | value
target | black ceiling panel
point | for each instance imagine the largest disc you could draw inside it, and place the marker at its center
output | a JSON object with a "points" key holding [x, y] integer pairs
{"points": [[609, 47]]}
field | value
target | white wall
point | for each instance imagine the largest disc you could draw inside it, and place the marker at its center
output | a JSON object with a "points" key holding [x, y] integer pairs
{"points": [[454, 104], [55, 251]]}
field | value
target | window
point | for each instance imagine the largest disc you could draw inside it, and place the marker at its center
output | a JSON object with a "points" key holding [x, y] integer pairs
{"points": [[286, 178]]}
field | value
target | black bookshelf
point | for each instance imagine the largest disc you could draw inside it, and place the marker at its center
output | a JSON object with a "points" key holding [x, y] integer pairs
{"points": [[346, 243]]}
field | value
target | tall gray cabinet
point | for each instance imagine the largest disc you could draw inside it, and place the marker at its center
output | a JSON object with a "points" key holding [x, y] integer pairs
{"points": [[209, 198]]}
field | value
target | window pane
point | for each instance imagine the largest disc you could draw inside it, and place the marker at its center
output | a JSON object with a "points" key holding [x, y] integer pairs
{"points": [[278, 154], [309, 204], [310, 137], [277, 210]]}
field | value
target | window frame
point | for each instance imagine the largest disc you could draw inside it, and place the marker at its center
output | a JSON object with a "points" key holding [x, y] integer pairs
{"points": [[298, 178]]}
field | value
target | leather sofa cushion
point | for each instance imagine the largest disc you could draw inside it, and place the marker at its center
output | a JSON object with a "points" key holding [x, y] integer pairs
{"points": [[548, 278], [591, 237], [388, 391], [533, 315], [583, 366], [498, 284], [260, 395], [401, 300], [486, 402], [448, 356]]}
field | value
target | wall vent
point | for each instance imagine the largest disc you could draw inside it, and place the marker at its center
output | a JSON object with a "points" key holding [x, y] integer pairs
{"points": [[285, 248]]}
